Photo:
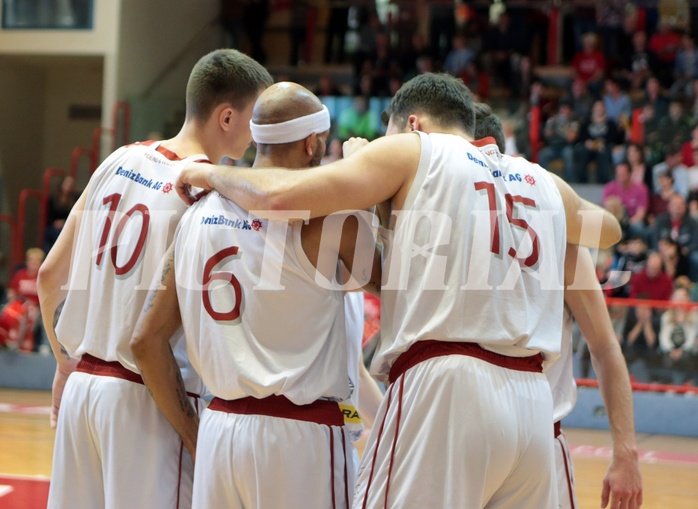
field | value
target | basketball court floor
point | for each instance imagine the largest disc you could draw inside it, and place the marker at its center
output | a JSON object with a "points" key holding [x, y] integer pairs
{"points": [[669, 464]]}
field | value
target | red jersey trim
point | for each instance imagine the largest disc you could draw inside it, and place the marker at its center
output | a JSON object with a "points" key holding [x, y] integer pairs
{"points": [[488, 140]]}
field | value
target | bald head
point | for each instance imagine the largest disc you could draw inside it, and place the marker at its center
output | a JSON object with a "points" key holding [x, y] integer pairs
{"points": [[290, 126], [284, 101]]}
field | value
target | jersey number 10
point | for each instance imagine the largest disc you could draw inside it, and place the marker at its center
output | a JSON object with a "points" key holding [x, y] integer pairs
{"points": [[113, 201]]}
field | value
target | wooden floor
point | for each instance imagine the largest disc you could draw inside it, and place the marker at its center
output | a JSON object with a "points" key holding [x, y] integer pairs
{"points": [[669, 464]]}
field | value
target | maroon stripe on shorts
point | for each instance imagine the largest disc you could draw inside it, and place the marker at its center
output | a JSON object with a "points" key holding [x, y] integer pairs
{"points": [[428, 349], [568, 476], [397, 432], [556, 429], [320, 411], [378, 443]]}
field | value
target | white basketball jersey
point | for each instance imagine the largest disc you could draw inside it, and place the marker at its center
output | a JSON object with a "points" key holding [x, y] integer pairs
{"points": [[354, 318], [560, 374], [256, 321], [128, 222], [476, 255]]}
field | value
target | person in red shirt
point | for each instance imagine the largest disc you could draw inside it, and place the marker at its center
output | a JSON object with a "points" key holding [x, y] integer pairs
{"points": [[642, 329], [18, 317], [664, 45], [589, 64], [652, 283], [23, 283]]}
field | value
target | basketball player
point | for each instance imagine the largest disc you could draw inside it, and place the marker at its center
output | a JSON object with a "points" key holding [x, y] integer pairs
{"points": [[622, 485], [471, 300], [271, 348], [113, 447]]}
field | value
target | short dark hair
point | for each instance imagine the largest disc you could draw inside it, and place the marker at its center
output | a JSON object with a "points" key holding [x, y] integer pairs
{"points": [[441, 96], [489, 124], [224, 76]]}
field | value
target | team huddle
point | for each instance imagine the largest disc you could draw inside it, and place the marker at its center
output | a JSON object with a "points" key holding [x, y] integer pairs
{"points": [[207, 320]]}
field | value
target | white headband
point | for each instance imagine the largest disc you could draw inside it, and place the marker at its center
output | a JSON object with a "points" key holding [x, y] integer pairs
{"points": [[291, 130]]}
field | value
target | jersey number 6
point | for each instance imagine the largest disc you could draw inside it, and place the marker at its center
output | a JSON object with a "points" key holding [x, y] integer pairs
{"points": [[208, 278]]}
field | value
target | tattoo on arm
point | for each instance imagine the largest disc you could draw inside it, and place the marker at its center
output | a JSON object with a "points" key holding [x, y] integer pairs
{"points": [[169, 265], [57, 313], [184, 402]]}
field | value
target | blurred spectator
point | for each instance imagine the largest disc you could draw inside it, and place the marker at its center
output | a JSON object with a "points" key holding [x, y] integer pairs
{"points": [[677, 225], [632, 257], [408, 57], [610, 15], [583, 22], [394, 84], [60, 203], [369, 28], [580, 99], [596, 140], [336, 32], [21, 314], [538, 98], [635, 156], [634, 196], [459, 57], [618, 106], [676, 126], [642, 326], [23, 283], [689, 147], [589, 64], [326, 87], [559, 135], [383, 65], [677, 339], [366, 85], [693, 106], [639, 64], [685, 68], [477, 81], [255, 14], [654, 95], [664, 44], [505, 43], [674, 263], [358, 120], [674, 166], [652, 282], [659, 202]]}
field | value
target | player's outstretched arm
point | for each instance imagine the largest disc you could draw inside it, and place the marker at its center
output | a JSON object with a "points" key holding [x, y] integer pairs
{"points": [[622, 484], [51, 281], [587, 224], [151, 349], [371, 175]]}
